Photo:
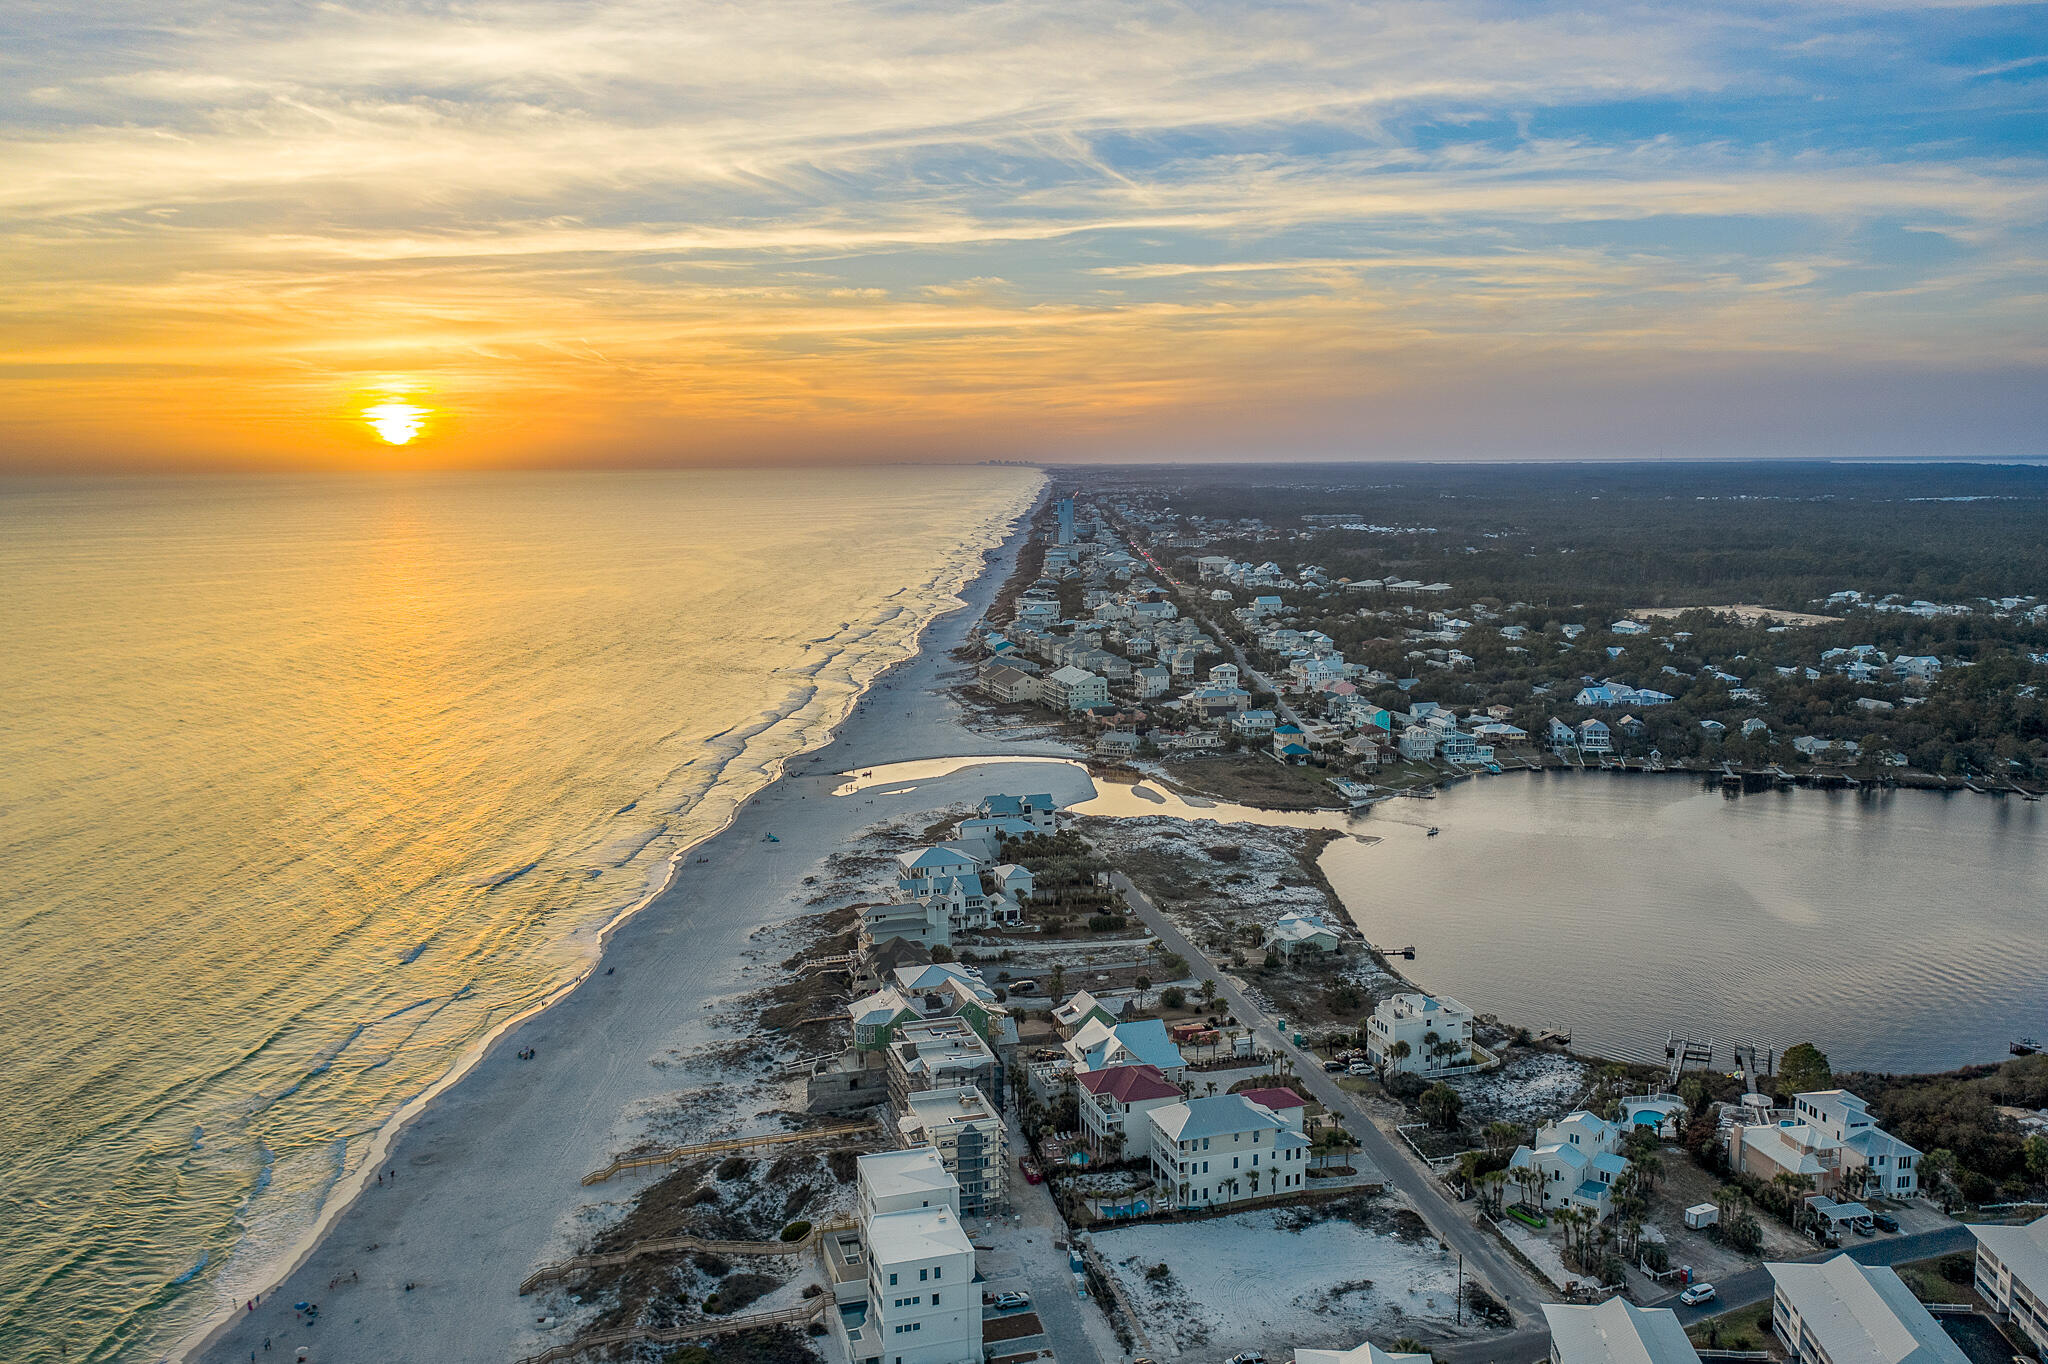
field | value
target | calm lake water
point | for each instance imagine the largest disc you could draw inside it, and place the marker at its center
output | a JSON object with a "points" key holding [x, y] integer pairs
{"points": [[307, 785], [1901, 931]]}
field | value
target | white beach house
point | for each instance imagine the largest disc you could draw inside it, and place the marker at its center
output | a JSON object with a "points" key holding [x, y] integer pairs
{"points": [[1417, 1034], [1840, 1312], [2012, 1276], [1223, 1149], [1616, 1332], [1574, 1163]]}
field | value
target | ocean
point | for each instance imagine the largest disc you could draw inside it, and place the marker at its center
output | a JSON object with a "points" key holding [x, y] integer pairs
{"points": [[308, 785]]}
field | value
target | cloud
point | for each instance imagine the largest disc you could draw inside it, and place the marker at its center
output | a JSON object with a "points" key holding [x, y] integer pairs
{"points": [[909, 216]]}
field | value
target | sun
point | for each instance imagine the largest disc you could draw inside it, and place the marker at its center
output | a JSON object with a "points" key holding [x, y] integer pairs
{"points": [[396, 421]]}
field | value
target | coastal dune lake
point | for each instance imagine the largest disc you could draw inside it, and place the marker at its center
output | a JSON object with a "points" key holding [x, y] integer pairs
{"points": [[307, 786], [1897, 930]]}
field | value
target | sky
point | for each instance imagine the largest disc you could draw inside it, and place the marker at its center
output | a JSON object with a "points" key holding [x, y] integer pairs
{"points": [[623, 234]]}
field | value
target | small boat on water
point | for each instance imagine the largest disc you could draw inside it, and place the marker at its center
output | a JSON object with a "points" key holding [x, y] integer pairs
{"points": [[2024, 1046]]}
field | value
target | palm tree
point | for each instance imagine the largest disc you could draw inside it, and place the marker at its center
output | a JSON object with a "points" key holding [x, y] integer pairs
{"points": [[1395, 1055], [1208, 994], [1647, 1169], [1493, 1191]]}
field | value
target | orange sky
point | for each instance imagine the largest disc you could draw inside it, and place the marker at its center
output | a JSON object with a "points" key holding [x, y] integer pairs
{"points": [[624, 233]]}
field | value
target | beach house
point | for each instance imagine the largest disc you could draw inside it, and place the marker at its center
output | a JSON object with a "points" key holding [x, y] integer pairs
{"points": [[1367, 1353], [1417, 1034], [1223, 1149], [1071, 689], [938, 1053], [1841, 1312], [2012, 1276], [1099, 1045], [920, 1304], [1080, 1011], [964, 1128], [1292, 933], [1114, 1104], [1873, 1161], [1616, 1332], [1040, 811], [1574, 1163]]}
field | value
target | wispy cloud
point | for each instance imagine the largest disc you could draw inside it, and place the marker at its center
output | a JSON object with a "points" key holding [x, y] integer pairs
{"points": [[908, 225]]}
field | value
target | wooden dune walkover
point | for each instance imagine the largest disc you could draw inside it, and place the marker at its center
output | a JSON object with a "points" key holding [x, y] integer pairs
{"points": [[677, 1335], [663, 1245], [844, 1131]]}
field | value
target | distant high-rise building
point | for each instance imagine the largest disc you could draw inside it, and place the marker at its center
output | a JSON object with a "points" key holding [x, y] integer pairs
{"points": [[1066, 510]]}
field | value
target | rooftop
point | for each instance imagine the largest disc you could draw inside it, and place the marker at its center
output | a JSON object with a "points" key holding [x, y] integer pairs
{"points": [[2022, 1250], [1863, 1314], [916, 1234], [1618, 1332], [1130, 1084], [1215, 1116]]}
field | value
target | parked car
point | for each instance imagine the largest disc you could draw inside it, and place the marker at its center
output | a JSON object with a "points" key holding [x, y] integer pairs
{"points": [[1248, 1357], [1697, 1294], [1335, 1067], [1023, 987], [1885, 1221], [1862, 1227], [1008, 1301], [1359, 1068]]}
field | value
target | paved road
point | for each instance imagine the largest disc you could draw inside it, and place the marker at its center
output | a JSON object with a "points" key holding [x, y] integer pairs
{"points": [[1483, 1256], [1753, 1286]]}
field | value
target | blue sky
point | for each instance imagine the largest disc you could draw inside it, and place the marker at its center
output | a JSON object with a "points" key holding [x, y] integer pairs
{"points": [[647, 233]]}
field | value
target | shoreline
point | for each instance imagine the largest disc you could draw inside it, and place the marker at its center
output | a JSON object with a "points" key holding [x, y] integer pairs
{"points": [[980, 576]]}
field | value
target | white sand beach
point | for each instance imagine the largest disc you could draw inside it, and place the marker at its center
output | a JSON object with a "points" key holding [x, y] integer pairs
{"points": [[487, 1175]]}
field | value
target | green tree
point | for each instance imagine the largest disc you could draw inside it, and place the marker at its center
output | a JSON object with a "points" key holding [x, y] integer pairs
{"points": [[1804, 1068], [1441, 1106], [2037, 1158]]}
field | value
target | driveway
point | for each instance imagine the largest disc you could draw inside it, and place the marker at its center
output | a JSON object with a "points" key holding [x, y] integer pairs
{"points": [[1026, 1253], [1753, 1286]]}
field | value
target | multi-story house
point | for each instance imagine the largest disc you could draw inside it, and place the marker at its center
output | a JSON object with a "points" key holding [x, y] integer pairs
{"points": [[1574, 1163], [922, 1306], [966, 1131], [1841, 1312], [2012, 1276], [1114, 1106], [1873, 1161], [1223, 1149], [1419, 1034]]}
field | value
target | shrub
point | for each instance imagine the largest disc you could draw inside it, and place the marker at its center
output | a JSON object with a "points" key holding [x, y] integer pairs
{"points": [[717, 1266], [1957, 1268], [796, 1231], [941, 952], [1105, 923], [1159, 1273], [732, 1167], [1173, 997]]}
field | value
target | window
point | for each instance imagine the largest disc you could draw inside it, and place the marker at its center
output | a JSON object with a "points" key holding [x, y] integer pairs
{"points": [[923, 1274], [892, 1281], [935, 1300], [938, 1272]]}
